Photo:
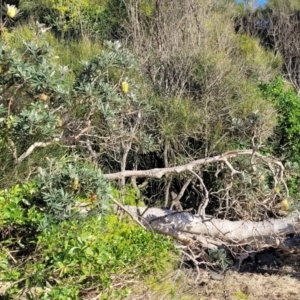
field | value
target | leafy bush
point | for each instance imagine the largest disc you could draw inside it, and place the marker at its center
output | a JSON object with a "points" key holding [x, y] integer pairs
{"points": [[76, 257], [55, 252], [286, 141], [67, 190], [74, 19], [71, 188], [46, 101], [33, 86], [128, 196], [19, 222], [16, 206]]}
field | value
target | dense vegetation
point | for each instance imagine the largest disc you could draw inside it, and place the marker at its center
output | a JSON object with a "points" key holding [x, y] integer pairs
{"points": [[91, 87]]}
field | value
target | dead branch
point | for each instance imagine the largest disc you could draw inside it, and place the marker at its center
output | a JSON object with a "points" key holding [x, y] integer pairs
{"points": [[160, 172], [176, 198], [29, 150], [202, 207], [135, 218]]}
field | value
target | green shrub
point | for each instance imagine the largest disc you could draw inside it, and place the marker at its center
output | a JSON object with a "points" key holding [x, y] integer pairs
{"points": [[74, 19], [54, 252], [19, 222], [220, 257], [73, 256], [71, 188], [128, 196], [285, 141], [287, 138], [16, 206]]}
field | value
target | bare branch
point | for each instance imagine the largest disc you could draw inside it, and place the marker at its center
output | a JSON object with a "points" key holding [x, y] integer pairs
{"points": [[201, 210], [168, 191], [159, 173], [14, 149], [84, 130], [176, 198], [233, 171], [127, 211], [32, 147]]}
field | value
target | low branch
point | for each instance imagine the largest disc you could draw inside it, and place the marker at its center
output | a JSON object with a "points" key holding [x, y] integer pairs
{"points": [[159, 173], [13, 148], [32, 147]]}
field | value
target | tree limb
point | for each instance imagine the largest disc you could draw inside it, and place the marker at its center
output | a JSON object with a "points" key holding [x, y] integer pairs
{"points": [[31, 149], [160, 172]]}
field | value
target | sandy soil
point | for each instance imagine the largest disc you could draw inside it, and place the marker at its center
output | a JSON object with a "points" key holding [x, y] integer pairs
{"points": [[251, 287], [262, 284]]}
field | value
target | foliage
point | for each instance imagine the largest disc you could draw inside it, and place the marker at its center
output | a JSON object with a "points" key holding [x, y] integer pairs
{"points": [[193, 72], [112, 112], [19, 222], [276, 26], [76, 257], [29, 79], [286, 6], [17, 207], [128, 196], [87, 253], [255, 56], [180, 84], [71, 188], [220, 256], [72, 19], [286, 141], [42, 105]]}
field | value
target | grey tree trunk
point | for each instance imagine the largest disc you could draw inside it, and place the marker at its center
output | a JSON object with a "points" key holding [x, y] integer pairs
{"points": [[214, 232]]}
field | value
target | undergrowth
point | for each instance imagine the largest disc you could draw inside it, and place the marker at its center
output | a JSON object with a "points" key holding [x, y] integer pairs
{"points": [[100, 254]]}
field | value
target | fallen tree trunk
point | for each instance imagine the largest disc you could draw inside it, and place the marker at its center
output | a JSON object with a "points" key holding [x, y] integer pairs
{"points": [[232, 194], [212, 232]]}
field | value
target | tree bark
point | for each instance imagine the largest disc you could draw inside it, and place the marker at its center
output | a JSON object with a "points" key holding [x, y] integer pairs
{"points": [[213, 232]]}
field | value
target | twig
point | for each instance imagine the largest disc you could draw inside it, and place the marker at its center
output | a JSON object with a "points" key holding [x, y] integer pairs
{"points": [[84, 130], [129, 213], [194, 260], [9, 254], [233, 171], [201, 210], [176, 199]]}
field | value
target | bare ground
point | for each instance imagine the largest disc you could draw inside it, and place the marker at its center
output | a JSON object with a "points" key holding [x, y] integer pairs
{"points": [[235, 286], [260, 284]]}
